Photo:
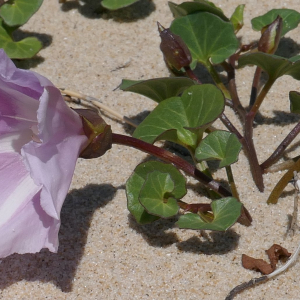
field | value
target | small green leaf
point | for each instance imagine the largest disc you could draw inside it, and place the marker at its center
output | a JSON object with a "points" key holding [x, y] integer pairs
{"points": [[294, 102], [18, 12], [158, 89], [291, 19], [275, 66], [237, 18], [187, 8], [226, 212], [116, 4], [25, 48], [183, 119], [207, 36], [156, 195], [136, 181], [219, 145]]}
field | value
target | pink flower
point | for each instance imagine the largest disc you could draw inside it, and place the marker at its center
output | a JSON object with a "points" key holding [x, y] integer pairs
{"points": [[40, 141]]}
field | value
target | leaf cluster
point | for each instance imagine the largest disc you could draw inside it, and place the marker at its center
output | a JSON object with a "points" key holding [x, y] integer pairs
{"points": [[187, 109], [13, 14]]}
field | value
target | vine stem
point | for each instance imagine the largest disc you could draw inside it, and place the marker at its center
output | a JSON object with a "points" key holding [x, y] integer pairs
{"points": [[245, 217], [191, 74], [217, 79], [283, 145], [173, 159], [254, 164], [254, 88], [230, 69]]}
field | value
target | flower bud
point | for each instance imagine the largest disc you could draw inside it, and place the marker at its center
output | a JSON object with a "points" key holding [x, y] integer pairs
{"points": [[99, 134], [175, 51], [270, 37]]}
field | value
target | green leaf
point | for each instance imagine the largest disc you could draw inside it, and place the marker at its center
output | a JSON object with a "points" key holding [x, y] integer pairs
{"points": [[25, 48], [226, 212], [290, 17], [183, 119], [294, 102], [157, 89], [136, 181], [207, 36], [18, 12], [237, 18], [219, 145], [275, 66], [187, 8], [116, 4], [156, 195]]}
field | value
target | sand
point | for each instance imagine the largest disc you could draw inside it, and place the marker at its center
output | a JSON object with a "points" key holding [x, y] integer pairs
{"points": [[103, 252]]}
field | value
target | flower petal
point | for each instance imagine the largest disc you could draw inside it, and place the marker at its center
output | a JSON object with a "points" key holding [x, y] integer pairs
{"points": [[17, 111], [23, 81], [52, 162], [25, 227], [29, 231]]}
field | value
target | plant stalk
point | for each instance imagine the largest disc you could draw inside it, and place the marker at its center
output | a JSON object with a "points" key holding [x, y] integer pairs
{"points": [[254, 164], [173, 159], [217, 79], [280, 149]]}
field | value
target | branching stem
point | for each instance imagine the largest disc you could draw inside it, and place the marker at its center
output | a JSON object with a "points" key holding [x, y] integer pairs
{"points": [[173, 159]]}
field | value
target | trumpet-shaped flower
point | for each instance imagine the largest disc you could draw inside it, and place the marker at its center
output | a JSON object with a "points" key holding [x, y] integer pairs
{"points": [[40, 141]]}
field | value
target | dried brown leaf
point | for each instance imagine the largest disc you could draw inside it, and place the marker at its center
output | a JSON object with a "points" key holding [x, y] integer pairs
{"points": [[259, 265], [275, 253]]}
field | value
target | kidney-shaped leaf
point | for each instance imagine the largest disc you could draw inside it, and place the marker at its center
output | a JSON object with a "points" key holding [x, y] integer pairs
{"points": [[207, 36], [290, 19], [294, 102], [183, 119], [116, 4], [219, 145], [157, 195], [226, 212], [25, 48], [158, 89], [136, 181], [18, 12], [275, 66], [187, 8]]}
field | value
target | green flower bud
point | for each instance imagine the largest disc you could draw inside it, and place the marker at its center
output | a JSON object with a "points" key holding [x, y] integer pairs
{"points": [[270, 37]]}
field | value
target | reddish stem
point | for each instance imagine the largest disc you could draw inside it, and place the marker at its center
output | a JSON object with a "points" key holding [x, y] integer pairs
{"points": [[279, 151], [173, 159]]}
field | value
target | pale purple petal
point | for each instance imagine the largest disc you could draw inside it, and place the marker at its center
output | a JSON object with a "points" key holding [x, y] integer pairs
{"points": [[21, 80], [40, 141], [25, 227], [29, 230], [17, 111], [52, 162]]}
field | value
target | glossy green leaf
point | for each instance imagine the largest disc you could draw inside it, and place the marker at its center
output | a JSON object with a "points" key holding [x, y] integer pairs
{"points": [[207, 36], [275, 66], [116, 4], [25, 48], [156, 195], [219, 145], [18, 12], [187, 8], [237, 18], [158, 89], [183, 119], [226, 212], [294, 102], [136, 181], [291, 19]]}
